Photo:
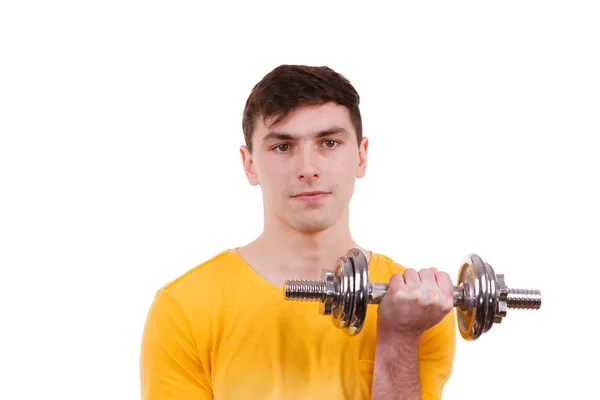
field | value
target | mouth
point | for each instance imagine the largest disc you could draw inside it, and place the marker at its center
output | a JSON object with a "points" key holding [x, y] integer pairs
{"points": [[310, 196]]}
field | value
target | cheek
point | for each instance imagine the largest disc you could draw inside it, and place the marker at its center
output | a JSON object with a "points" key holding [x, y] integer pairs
{"points": [[343, 179], [272, 182], [348, 170], [348, 178]]}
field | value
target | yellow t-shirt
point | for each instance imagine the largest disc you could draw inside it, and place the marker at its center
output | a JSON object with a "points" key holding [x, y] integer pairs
{"points": [[222, 331]]}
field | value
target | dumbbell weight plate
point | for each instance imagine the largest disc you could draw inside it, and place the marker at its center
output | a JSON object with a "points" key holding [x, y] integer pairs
{"points": [[478, 306], [341, 312], [360, 265], [492, 298]]}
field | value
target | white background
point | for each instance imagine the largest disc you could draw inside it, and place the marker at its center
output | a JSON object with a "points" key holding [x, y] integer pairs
{"points": [[120, 125]]}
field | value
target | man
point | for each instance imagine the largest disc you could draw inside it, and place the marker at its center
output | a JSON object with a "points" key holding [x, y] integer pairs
{"points": [[223, 330]]}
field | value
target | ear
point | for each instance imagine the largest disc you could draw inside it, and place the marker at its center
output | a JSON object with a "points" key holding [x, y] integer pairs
{"points": [[362, 157], [248, 164]]}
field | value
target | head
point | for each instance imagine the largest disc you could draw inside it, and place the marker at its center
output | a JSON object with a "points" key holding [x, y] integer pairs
{"points": [[304, 145]]}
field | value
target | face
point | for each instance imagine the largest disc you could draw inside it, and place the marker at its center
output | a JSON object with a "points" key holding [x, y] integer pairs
{"points": [[306, 166]]}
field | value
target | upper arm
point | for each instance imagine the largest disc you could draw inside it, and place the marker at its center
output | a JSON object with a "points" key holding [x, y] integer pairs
{"points": [[436, 355], [169, 364]]}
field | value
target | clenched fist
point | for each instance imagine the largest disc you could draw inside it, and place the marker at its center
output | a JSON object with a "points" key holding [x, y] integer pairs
{"points": [[414, 302]]}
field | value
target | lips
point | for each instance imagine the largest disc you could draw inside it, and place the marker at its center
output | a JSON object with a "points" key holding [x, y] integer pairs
{"points": [[314, 195], [304, 194]]}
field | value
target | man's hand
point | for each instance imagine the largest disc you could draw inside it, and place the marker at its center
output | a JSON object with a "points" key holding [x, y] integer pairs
{"points": [[415, 302]]}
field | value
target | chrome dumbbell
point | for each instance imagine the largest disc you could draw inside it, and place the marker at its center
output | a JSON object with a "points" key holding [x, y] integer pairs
{"points": [[481, 297]]}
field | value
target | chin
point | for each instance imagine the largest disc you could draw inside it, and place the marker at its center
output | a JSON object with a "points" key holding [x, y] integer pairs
{"points": [[311, 225]]}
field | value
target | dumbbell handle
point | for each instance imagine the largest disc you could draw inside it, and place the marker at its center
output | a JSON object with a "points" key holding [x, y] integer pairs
{"points": [[378, 290], [517, 298]]}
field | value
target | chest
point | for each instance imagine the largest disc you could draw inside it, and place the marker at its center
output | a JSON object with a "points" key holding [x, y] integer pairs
{"points": [[270, 348]]}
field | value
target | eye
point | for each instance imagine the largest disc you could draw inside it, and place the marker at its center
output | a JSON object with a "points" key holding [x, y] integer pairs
{"points": [[282, 148], [330, 144]]}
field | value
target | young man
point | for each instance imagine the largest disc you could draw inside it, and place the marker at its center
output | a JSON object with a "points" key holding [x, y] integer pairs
{"points": [[223, 329]]}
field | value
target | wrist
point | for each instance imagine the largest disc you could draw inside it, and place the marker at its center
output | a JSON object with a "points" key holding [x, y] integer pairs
{"points": [[394, 337], [392, 346]]}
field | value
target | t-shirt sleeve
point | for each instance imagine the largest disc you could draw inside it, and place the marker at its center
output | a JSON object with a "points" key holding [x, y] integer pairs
{"points": [[170, 368], [436, 355]]}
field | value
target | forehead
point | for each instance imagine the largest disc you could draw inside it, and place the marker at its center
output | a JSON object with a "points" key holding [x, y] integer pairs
{"points": [[308, 120]]}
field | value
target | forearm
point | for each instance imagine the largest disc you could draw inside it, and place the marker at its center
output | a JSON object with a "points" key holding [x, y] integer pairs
{"points": [[396, 372]]}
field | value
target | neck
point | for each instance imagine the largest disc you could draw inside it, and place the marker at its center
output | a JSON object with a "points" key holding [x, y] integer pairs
{"points": [[284, 251]]}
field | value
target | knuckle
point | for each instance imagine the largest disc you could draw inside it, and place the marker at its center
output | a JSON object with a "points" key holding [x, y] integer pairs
{"points": [[432, 299], [417, 295], [401, 296]]}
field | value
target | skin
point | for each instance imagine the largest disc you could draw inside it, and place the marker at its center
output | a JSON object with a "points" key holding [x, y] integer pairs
{"points": [[315, 149]]}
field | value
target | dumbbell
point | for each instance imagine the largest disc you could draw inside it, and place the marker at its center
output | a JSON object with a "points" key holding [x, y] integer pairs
{"points": [[481, 296]]}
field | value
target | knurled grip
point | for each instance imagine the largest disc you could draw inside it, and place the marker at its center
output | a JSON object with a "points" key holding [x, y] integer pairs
{"points": [[376, 292]]}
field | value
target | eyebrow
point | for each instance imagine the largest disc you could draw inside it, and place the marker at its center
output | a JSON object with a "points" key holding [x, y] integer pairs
{"points": [[275, 136]]}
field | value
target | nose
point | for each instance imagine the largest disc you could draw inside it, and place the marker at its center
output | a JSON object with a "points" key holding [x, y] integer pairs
{"points": [[307, 165]]}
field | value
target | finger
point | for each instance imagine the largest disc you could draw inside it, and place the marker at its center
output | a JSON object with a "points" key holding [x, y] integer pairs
{"points": [[427, 276], [429, 291], [445, 284], [411, 277], [396, 282]]}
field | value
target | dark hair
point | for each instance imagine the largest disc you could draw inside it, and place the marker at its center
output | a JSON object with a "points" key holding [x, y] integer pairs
{"points": [[288, 86]]}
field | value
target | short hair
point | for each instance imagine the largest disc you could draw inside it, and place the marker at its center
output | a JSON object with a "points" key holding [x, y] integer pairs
{"points": [[286, 87]]}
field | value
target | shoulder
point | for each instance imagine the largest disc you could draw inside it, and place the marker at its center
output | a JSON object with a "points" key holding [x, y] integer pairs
{"points": [[203, 279], [181, 307]]}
